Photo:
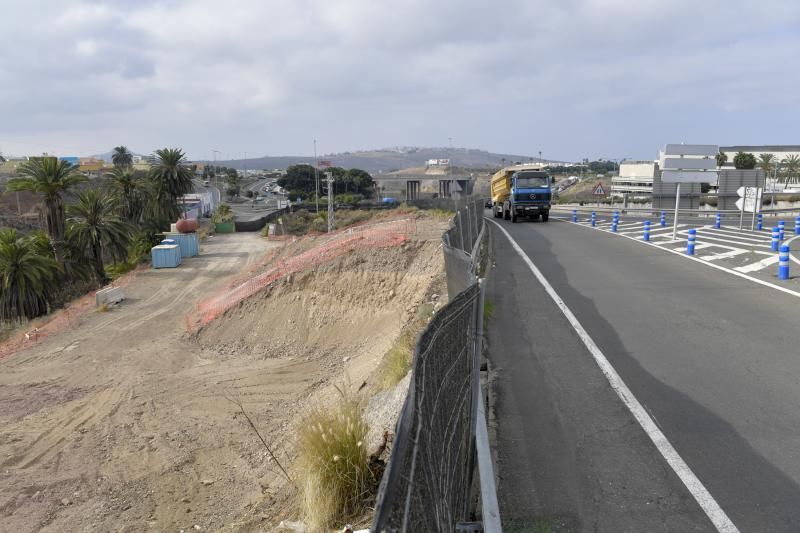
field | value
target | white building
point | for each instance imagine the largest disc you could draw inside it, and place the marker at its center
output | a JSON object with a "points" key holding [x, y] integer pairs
{"points": [[635, 178], [780, 152]]}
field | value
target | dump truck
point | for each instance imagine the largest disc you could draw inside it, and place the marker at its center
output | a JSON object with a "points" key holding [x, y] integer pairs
{"points": [[518, 193]]}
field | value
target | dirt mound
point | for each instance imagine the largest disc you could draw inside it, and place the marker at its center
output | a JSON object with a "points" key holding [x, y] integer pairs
{"points": [[351, 307]]}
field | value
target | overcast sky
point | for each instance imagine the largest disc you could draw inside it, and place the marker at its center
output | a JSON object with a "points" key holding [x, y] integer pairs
{"points": [[572, 78]]}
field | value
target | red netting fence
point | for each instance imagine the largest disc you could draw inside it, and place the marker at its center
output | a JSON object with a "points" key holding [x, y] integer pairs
{"points": [[384, 234]]}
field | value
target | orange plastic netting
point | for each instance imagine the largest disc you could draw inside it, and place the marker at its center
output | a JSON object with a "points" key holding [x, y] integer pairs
{"points": [[333, 245]]}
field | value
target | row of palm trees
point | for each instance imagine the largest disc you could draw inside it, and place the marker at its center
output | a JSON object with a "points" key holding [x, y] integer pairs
{"points": [[786, 169], [115, 223]]}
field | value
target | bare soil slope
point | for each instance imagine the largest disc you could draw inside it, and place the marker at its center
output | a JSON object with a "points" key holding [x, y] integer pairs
{"points": [[123, 423]]}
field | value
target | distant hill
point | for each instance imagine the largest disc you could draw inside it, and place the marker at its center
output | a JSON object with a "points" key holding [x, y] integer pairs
{"points": [[387, 159]]}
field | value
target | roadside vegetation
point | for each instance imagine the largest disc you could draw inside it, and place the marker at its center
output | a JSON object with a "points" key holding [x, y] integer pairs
{"points": [[105, 232], [333, 472]]}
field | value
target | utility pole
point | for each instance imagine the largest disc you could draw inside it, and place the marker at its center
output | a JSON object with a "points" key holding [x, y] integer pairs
{"points": [[329, 175], [216, 176], [540, 158], [316, 173]]}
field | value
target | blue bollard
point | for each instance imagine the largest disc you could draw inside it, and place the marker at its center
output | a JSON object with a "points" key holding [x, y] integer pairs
{"points": [[594, 219], [760, 225], [663, 219], [783, 262], [781, 229], [718, 222], [775, 239], [691, 242], [614, 226], [574, 215], [646, 235], [797, 226]]}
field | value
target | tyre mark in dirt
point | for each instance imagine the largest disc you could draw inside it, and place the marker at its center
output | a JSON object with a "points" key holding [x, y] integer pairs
{"points": [[62, 423]]}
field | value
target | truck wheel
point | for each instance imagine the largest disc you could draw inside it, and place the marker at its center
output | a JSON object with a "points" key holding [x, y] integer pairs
{"points": [[545, 216]]}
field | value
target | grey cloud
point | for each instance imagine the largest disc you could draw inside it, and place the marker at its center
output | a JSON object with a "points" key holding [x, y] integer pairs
{"points": [[380, 73]]}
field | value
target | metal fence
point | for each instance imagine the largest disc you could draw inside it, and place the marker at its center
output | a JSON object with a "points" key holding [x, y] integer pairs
{"points": [[428, 483]]}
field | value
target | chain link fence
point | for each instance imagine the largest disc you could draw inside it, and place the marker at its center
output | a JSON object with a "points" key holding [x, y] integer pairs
{"points": [[428, 483]]}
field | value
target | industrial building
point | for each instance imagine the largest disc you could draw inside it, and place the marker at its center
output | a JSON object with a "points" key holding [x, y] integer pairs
{"points": [[437, 180]]}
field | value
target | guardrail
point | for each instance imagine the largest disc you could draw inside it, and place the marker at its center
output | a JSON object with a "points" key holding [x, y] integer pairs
{"points": [[441, 433]]}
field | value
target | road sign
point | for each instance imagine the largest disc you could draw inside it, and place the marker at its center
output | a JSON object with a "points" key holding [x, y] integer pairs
{"points": [[688, 163], [599, 190], [749, 199]]}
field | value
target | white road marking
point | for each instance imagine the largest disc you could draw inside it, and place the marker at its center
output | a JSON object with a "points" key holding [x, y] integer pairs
{"points": [[749, 237], [724, 255], [722, 268], [707, 502], [696, 247], [758, 265], [706, 236]]}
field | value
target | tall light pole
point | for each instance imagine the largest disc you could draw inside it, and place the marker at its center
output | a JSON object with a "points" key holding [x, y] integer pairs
{"points": [[216, 176], [316, 174], [540, 158]]}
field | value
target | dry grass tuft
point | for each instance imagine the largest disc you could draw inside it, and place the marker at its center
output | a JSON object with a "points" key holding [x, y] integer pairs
{"points": [[333, 472]]}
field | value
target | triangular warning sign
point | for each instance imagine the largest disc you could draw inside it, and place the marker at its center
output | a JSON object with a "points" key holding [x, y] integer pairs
{"points": [[599, 190]]}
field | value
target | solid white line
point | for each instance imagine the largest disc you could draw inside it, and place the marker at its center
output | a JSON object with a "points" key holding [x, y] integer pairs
{"points": [[723, 255], [718, 267], [696, 247], [758, 265], [675, 461], [704, 235]]}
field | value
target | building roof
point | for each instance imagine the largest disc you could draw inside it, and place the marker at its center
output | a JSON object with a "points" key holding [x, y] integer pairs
{"points": [[762, 148]]}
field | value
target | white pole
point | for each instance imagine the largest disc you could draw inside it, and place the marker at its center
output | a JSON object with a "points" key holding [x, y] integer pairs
{"points": [[316, 173], [677, 205]]}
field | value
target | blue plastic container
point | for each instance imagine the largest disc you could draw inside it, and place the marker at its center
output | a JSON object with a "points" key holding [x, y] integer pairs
{"points": [[166, 256], [188, 242]]}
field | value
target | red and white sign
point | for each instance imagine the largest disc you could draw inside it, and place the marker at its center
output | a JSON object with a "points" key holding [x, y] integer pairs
{"points": [[599, 190]]}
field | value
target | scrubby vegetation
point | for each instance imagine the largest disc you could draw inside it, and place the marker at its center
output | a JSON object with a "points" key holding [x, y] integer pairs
{"points": [[333, 474]]}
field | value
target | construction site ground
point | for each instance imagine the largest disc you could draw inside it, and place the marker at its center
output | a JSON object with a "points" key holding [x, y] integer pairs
{"points": [[129, 422]]}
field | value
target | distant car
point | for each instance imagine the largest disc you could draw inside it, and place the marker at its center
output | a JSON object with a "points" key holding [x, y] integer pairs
{"points": [[206, 183], [488, 204]]}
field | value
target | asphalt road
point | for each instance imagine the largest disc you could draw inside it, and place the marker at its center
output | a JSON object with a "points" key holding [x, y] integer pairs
{"points": [[712, 358]]}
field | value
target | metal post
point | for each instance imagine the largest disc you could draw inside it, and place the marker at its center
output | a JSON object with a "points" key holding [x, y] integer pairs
{"points": [[691, 241], [329, 175], [741, 211], [756, 208], [677, 205], [316, 173], [461, 230], [783, 262]]}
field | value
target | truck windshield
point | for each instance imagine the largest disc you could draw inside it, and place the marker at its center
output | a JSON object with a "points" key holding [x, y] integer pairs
{"points": [[529, 182]]}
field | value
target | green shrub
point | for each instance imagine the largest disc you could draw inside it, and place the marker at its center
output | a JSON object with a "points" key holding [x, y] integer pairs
{"points": [[332, 467]]}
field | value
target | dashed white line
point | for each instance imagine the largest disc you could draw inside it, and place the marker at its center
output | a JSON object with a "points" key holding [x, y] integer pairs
{"points": [[707, 502]]}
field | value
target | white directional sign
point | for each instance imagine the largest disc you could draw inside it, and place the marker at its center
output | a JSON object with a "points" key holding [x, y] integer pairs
{"points": [[749, 199]]}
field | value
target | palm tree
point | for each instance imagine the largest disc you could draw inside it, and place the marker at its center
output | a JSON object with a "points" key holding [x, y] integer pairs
{"points": [[122, 157], [51, 178], [96, 229], [171, 179], [130, 191], [26, 276], [791, 168], [721, 158], [767, 162]]}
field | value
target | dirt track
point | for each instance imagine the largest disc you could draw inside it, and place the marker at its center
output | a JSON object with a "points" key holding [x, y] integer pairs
{"points": [[122, 423], [117, 423]]}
